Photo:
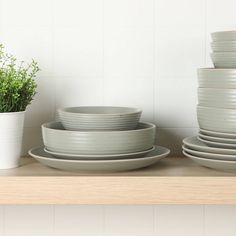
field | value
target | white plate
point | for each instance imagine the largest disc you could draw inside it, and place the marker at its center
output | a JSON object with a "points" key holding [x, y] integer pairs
{"points": [[99, 165], [217, 144], [216, 139], [218, 134], [213, 156], [214, 164], [99, 157], [195, 144]]}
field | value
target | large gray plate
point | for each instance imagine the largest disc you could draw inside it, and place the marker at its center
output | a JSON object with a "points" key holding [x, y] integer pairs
{"points": [[214, 156], [195, 144], [214, 164], [99, 157], [217, 144], [99, 165]]}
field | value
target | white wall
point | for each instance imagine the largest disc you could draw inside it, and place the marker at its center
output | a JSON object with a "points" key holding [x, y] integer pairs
{"points": [[117, 220], [140, 53]]}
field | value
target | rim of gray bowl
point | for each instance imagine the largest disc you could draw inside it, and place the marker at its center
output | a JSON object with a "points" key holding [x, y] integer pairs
{"points": [[45, 126]]}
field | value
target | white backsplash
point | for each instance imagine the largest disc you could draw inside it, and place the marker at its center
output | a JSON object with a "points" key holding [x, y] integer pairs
{"points": [[77, 220], [141, 53]]}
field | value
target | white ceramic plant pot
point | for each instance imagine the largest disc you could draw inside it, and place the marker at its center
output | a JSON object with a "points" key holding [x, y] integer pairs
{"points": [[11, 134]]}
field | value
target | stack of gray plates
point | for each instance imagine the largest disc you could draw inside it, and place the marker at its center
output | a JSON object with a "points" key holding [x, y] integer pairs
{"points": [[215, 145], [98, 139]]}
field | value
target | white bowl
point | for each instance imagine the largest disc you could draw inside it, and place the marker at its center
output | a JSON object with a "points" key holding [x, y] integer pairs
{"points": [[224, 59], [224, 35], [223, 46], [216, 78], [215, 97], [99, 118], [57, 139], [217, 119]]}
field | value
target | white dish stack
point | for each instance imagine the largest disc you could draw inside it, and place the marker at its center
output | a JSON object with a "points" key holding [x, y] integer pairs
{"points": [[98, 139], [215, 144]]}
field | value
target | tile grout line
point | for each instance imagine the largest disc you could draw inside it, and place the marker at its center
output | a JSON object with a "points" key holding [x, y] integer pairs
{"points": [[104, 220], [154, 60], [204, 220], [154, 221], [53, 58], [103, 57], [4, 220], [206, 28], [53, 220]]}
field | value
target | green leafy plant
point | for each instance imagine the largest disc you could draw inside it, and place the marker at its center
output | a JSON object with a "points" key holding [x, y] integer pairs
{"points": [[17, 84]]}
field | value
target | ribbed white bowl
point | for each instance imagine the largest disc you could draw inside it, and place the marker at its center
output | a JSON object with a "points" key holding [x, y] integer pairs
{"points": [[217, 119], [224, 36], [224, 59], [223, 46], [219, 98], [216, 78], [99, 118], [57, 139]]}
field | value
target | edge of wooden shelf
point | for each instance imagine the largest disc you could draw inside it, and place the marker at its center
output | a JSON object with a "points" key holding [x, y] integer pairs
{"points": [[170, 183]]}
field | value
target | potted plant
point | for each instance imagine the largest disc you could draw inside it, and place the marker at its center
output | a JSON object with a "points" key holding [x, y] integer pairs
{"points": [[17, 89]]}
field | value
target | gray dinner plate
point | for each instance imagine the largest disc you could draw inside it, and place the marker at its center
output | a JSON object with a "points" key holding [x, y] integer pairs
{"points": [[216, 139], [214, 156], [195, 144], [99, 165], [99, 157], [217, 144], [214, 164]]}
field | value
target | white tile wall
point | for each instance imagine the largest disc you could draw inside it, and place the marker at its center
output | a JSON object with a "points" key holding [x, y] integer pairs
{"points": [[140, 53], [165, 220]]}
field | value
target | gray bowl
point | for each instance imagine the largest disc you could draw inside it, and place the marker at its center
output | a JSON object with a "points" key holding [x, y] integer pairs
{"points": [[57, 139], [216, 78], [99, 118], [216, 97], [224, 59], [217, 119], [224, 35]]}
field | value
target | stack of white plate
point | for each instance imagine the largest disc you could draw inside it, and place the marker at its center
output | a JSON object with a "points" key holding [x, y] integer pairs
{"points": [[215, 145], [99, 139]]}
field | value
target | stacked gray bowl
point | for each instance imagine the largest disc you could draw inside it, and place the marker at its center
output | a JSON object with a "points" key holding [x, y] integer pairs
{"points": [[99, 139], [215, 145]]}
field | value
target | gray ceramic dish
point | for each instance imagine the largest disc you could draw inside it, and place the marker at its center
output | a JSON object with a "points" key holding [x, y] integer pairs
{"points": [[57, 139], [214, 164], [216, 78], [99, 157], [100, 165], [217, 139], [195, 144], [216, 97], [217, 119], [224, 35], [224, 59], [99, 118], [214, 156], [223, 46], [217, 144], [218, 134]]}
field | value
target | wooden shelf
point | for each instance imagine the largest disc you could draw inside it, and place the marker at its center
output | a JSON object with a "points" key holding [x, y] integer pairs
{"points": [[171, 181]]}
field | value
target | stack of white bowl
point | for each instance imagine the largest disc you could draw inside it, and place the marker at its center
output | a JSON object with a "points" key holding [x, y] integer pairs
{"points": [[215, 145], [99, 139]]}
